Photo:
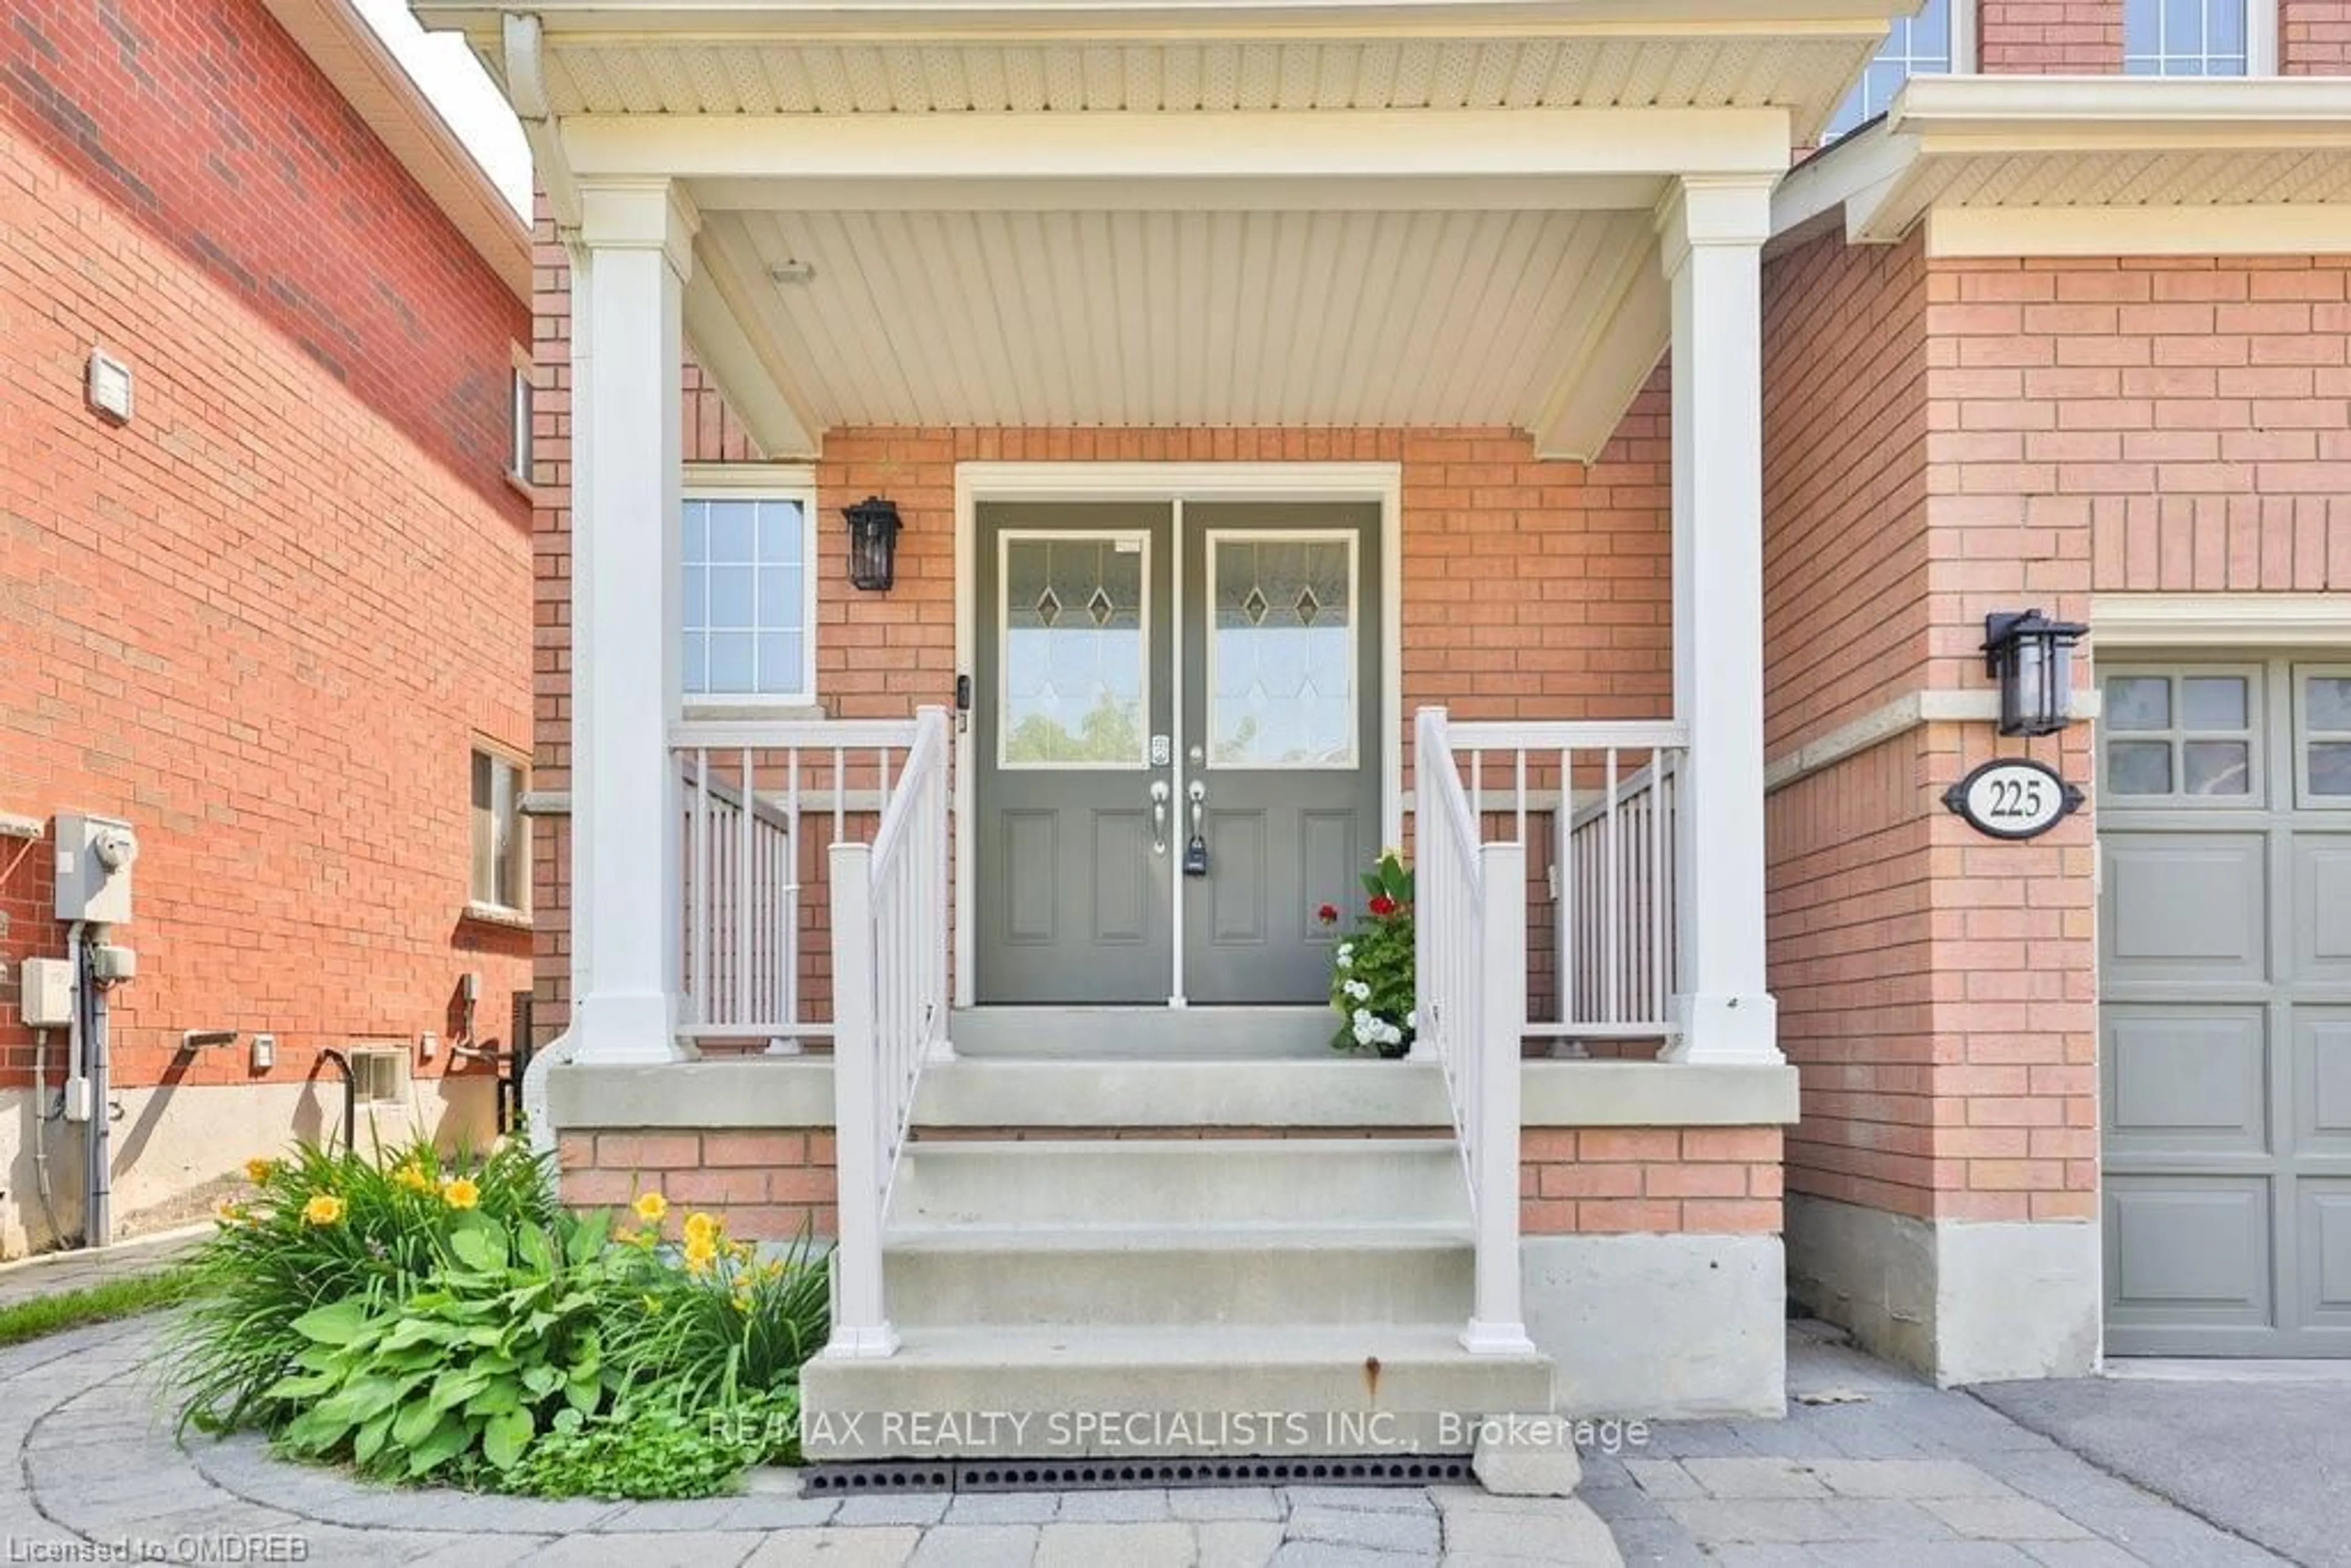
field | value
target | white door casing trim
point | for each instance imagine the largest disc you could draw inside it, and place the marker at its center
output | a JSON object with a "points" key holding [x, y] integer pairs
{"points": [[2220, 620], [975, 482]]}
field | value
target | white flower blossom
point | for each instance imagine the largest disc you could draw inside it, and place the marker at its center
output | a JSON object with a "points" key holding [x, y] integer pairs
{"points": [[1357, 991], [1345, 957], [1412, 1020]]}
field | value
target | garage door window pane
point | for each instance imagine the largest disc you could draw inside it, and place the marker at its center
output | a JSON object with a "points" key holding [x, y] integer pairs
{"points": [[2330, 768], [2328, 702], [2212, 702], [2139, 768], [2138, 702], [2217, 766]]}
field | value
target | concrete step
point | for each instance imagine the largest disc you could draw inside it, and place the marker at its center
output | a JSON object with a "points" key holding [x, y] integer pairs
{"points": [[1103, 1092], [1145, 1183], [1142, 1033], [1061, 1393], [961, 1275]]}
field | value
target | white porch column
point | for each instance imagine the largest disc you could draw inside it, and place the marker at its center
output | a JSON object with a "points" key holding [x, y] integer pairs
{"points": [[637, 239], [1713, 230]]}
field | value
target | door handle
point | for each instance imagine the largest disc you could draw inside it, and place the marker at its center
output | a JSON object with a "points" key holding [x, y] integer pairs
{"points": [[1159, 816], [1195, 853]]}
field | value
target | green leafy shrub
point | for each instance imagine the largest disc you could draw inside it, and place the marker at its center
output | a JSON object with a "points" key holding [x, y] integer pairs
{"points": [[322, 1227], [465, 1371], [420, 1319], [1371, 969]]}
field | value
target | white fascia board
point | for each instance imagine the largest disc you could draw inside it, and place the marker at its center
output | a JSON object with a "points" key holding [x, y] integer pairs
{"points": [[2113, 113], [1242, 148], [980, 18], [1817, 193], [727, 347], [2306, 229]]}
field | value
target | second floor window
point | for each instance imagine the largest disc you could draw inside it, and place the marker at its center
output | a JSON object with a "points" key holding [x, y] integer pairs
{"points": [[2185, 37], [1917, 46]]}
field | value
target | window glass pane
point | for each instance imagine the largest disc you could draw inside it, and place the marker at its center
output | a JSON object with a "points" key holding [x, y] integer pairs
{"points": [[2138, 767], [2330, 768], [2216, 768], [2138, 702], [1282, 691], [1073, 652], [2212, 702], [1919, 45], [500, 847], [2326, 702], [744, 607]]}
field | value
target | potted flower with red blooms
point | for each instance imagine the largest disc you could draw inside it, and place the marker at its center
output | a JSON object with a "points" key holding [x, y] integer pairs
{"points": [[1371, 967]]}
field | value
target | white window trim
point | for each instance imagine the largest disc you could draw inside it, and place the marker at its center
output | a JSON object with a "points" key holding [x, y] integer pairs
{"points": [[489, 909], [1963, 48], [522, 410], [763, 482], [2262, 45], [2305, 798]]}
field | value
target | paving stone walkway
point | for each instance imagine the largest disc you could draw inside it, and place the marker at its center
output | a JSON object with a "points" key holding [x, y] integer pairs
{"points": [[1873, 1469], [89, 1459], [1888, 1472]]}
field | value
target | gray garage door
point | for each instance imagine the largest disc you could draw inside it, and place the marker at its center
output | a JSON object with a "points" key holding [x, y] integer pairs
{"points": [[2224, 932]]}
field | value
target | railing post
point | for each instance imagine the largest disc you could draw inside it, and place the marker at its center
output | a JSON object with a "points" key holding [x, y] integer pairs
{"points": [[1428, 742], [861, 1327], [1497, 1311]]}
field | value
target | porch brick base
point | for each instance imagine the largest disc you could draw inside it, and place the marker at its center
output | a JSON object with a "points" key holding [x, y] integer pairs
{"points": [[766, 1185], [1664, 1180]]}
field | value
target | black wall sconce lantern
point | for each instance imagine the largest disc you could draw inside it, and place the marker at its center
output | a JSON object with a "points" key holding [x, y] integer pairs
{"points": [[2033, 658], [873, 543]]}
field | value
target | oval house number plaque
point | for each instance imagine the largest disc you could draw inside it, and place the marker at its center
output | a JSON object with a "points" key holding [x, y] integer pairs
{"points": [[2013, 797]]}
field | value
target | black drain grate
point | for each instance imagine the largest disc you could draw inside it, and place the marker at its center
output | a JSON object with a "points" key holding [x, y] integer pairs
{"points": [[878, 1476]]}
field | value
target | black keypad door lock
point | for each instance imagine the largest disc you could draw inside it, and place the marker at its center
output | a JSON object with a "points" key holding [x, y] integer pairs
{"points": [[1196, 857]]}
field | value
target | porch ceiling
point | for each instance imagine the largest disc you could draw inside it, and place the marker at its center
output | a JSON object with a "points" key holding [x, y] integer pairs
{"points": [[1191, 317]]}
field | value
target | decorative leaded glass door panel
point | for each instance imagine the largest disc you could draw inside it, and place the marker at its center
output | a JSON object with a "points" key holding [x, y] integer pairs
{"points": [[1281, 725], [1073, 897]]}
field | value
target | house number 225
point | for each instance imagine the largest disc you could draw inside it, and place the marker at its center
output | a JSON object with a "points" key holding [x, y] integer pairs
{"points": [[2013, 797]]}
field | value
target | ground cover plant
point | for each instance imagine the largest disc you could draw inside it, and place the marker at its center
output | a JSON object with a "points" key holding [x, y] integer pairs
{"points": [[419, 1317]]}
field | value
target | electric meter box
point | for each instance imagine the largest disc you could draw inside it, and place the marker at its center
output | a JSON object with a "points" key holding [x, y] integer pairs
{"points": [[94, 856]]}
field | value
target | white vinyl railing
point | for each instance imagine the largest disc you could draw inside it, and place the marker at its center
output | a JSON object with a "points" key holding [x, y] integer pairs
{"points": [[754, 791], [1610, 790], [1470, 977], [890, 936]]}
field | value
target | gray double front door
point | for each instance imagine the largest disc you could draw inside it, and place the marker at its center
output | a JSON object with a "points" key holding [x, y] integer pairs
{"points": [[1177, 747], [2224, 916]]}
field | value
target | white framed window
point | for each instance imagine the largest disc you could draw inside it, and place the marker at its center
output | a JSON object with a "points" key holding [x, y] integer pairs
{"points": [[2198, 37], [500, 880], [2321, 724], [748, 601], [1938, 41], [520, 402]]}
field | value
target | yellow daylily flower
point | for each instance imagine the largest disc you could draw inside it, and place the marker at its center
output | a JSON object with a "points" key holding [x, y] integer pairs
{"points": [[650, 1206], [228, 1213], [461, 1193], [701, 1227], [324, 1208], [258, 1170], [413, 1178], [699, 1256]]}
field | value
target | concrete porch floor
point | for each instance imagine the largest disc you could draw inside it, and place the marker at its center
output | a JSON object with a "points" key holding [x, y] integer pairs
{"points": [[1870, 1466]]}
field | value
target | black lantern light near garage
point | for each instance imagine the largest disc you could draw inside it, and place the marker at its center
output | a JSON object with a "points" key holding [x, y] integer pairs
{"points": [[2033, 658], [873, 543]]}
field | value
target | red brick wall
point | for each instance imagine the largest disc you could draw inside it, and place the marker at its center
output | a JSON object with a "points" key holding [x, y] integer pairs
{"points": [[2102, 423], [2314, 37], [2050, 38], [1700, 1180], [206, 126], [260, 622], [766, 1185]]}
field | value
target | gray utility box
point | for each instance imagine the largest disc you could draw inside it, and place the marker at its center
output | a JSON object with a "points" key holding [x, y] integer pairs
{"points": [[94, 856]]}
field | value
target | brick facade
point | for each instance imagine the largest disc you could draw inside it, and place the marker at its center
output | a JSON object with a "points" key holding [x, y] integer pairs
{"points": [[2314, 37], [1610, 1180], [267, 619], [767, 1185], [2096, 425], [2050, 38]]}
